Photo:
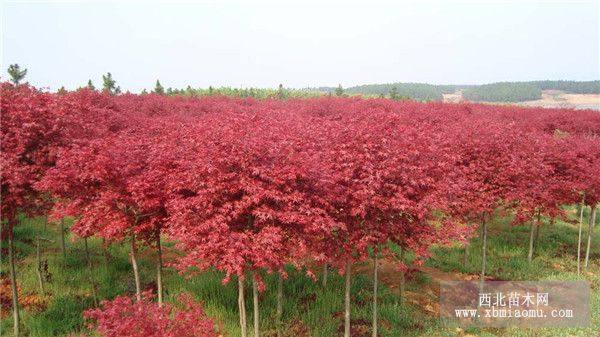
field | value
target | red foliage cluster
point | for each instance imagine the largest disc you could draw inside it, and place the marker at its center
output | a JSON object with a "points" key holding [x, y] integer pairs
{"points": [[122, 317], [247, 185]]}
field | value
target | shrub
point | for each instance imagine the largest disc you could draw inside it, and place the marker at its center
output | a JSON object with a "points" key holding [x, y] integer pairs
{"points": [[124, 317]]}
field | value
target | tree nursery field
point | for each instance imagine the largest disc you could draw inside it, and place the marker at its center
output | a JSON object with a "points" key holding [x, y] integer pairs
{"points": [[128, 215]]}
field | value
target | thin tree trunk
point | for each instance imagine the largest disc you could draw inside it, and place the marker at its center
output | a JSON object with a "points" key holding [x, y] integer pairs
{"points": [[13, 279], [38, 255], [347, 302], [255, 307], [483, 251], [63, 248], [531, 235], [91, 271], [374, 334], [136, 274], [107, 257], [279, 312], [481, 234], [325, 272], [402, 280], [579, 238], [589, 240], [537, 233], [242, 308], [159, 264], [466, 255]]}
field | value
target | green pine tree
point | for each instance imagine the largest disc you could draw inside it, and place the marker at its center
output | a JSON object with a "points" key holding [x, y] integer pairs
{"points": [[394, 93], [90, 85], [158, 88], [109, 85], [281, 92], [339, 91], [16, 74]]}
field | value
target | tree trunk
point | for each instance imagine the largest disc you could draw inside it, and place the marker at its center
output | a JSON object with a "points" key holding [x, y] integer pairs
{"points": [[579, 238], [466, 255], [13, 278], [347, 302], [159, 266], [107, 257], [531, 236], [40, 277], [279, 312], [589, 239], [242, 307], [481, 234], [374, 334], [255, 307], [402, 280], [483, 251], [537, 233], [91, 271], [325, 272], [136, 274], [63, 247]]}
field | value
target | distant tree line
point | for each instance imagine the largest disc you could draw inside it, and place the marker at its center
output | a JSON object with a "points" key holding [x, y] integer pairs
{"points": [[259, 93], [493, 92], [575, 87], [415, 91], [503, 92], [525, 91]]}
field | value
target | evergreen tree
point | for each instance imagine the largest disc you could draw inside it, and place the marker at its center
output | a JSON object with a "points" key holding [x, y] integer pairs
{"points": [[16, 74], [144, 92], [90, 85], [394, 93], [158, 88], [339, 91], [281, 92], [109, 85], [210, 90], [62, 91]]}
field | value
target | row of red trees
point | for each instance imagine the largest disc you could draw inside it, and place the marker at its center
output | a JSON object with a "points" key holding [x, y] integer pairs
{"points": [[247, 186]]}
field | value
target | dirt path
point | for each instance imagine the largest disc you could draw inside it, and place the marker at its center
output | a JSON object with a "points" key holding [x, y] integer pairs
{"points": [[427, 297]]}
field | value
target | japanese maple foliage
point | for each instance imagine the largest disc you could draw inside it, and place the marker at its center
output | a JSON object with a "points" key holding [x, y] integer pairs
{"points": [[28, 138], [243, 202], [122, 317], [245, 186]]}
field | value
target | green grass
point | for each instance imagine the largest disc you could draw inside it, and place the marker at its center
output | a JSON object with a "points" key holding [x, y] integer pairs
{"points": [[554, 259], [309, 310], [307, 307]]}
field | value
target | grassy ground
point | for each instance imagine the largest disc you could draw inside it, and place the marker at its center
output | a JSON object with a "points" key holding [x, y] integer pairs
{"points": [[554, 259], [309, 310]]}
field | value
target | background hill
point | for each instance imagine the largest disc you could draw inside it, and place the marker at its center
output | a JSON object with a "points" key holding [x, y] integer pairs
{"points": [[493, 92]]}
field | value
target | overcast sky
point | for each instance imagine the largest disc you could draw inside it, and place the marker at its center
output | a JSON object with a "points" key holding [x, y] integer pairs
{"points": [[307, 44]]}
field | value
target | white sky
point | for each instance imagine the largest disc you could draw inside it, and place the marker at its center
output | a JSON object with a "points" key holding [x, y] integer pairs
{"points": [[300, 44]]}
